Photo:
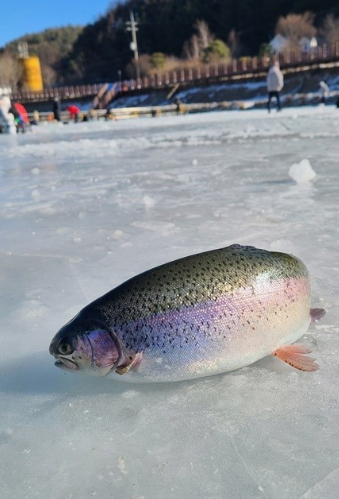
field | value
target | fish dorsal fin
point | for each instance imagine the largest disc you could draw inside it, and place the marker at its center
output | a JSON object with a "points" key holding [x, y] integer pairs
{"points": [[296, 356], [317, 313]]}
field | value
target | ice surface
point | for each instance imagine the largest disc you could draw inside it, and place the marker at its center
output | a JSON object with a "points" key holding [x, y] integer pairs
{"points": [[86, 206]]}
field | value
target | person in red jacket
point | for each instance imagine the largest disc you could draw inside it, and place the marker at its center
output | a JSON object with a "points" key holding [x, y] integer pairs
{"points": [[73, 112]]}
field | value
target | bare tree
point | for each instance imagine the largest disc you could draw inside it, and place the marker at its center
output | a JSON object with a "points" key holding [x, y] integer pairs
{"points": [[294, 27], [195, 47], [205, 37], [233, 43], [191, 49], [10, 70], [145, 66], [330, 29]]}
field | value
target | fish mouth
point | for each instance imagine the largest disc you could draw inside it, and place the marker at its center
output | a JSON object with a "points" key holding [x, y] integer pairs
{"points": [[66, 364]]}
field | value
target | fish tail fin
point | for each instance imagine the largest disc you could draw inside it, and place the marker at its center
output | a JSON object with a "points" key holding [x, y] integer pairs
{"points": [[296, 356], [317, 313]]}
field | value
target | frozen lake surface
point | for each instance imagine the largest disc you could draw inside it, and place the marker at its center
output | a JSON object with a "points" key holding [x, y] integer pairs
{"points": [[85, 207]]}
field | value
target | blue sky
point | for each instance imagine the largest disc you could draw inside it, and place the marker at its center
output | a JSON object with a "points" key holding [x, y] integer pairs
{"points": [[23, 17]]}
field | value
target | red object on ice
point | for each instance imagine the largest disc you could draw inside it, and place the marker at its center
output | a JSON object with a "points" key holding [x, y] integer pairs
{"points": [[22, 111]]}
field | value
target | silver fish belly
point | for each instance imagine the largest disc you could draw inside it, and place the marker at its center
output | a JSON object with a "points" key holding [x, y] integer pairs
{"points": [[201, 315]]}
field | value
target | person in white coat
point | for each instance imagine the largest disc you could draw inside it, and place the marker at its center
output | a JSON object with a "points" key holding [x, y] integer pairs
{"points": [[324, 91], [275, 83], [7, 123]]}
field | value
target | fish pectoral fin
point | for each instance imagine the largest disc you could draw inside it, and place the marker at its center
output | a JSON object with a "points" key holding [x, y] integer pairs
{"points": [[317, 313], [129, 363], [296, 356]]}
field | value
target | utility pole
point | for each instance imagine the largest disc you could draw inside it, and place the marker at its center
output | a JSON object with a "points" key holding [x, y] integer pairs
{"points": [[132, 26]]}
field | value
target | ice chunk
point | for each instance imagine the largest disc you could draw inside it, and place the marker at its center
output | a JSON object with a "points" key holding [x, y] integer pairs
{"points": [[302, 172], [148, 202]]}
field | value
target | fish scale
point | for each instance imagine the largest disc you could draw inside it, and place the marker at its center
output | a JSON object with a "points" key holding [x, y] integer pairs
{"points": [[200, 315]]}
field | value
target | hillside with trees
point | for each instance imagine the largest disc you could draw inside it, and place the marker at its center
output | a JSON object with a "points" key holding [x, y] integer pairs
{"points": [[171, 33], [52, 46]]}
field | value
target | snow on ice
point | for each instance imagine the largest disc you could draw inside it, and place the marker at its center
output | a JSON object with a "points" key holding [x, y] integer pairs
{"points": [[83, 208]]}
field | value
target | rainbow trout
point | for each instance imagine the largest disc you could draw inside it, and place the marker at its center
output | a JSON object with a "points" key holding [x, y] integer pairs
{"points": [[201, 315]]}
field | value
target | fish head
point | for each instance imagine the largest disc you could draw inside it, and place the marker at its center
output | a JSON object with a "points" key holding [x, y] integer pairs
{"points": [[85, 346]]}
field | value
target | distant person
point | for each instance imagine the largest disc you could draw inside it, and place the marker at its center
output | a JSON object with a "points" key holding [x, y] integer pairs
{"points": [[20, 116], [18, 120], [7, 122], [324, 91], [109, 115], [178, 106], [36, 118], [275, 83], [56, 109], [73, 112], [92, 114]]}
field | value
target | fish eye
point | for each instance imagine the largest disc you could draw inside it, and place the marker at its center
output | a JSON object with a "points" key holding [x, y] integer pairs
{"points": [[65, 348]]}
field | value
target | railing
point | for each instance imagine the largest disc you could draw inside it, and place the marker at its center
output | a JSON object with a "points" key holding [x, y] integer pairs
{"points": [[99, 95], [64, 92], [236, 67], [103, 93]]}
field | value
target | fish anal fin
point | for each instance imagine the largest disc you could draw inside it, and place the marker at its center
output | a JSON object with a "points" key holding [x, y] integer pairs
{"points": [[129, 363], [317, 313], [296, 356]]}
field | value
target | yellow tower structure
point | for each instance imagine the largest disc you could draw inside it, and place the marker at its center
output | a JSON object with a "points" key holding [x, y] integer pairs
{"points": [[32, 77]]}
